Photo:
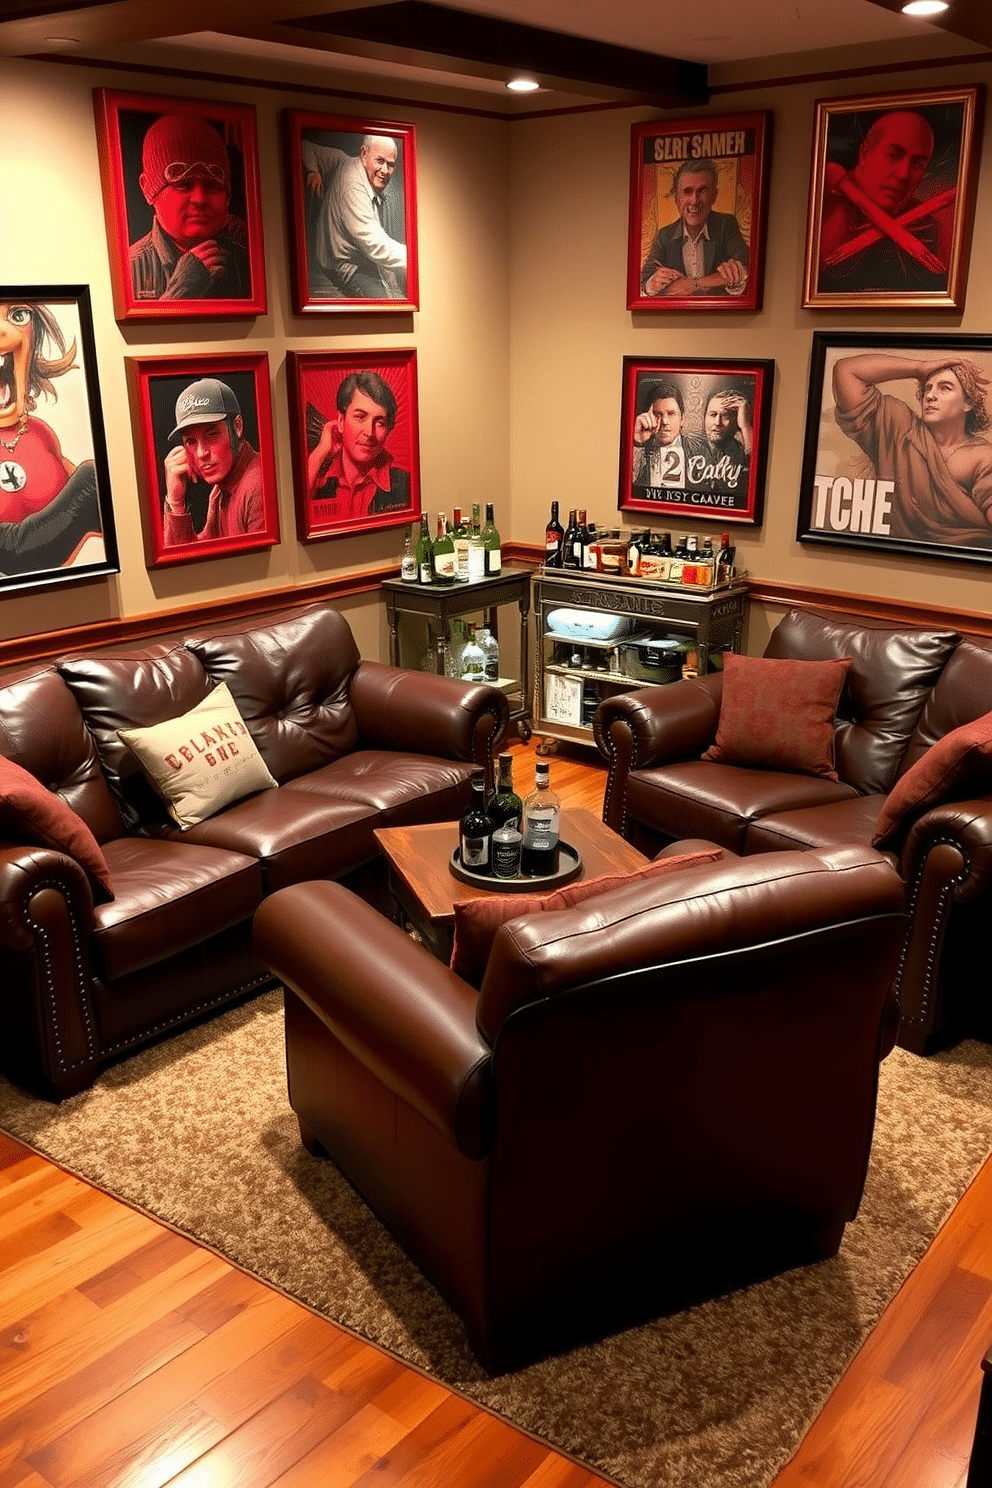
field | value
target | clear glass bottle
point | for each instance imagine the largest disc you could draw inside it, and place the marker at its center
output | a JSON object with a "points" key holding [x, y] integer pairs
{"points": [[473, 662], [476, 552], [490, 653], [542, 821], [455, 648], [459, 536], [425, 552], [408, 562], [505, 805], [491, 544], [444, 553], [475, 830]]}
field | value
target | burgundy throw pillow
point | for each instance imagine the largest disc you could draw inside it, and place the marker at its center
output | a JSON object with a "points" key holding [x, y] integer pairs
{"points": [[41, 817], [477, 920], [959, 760], [779, 714]]}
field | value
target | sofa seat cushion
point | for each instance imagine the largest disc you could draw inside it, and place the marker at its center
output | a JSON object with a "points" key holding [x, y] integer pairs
{"points": [[169, 896], [403, 788], [850, 821], [718, 802], [295, 835]]}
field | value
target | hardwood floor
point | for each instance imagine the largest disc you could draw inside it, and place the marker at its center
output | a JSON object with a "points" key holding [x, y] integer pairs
{"points": [[131, 1356]]}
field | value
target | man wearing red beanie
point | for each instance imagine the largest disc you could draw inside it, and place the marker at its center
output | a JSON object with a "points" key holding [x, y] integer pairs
{"points": [[196, 249]]}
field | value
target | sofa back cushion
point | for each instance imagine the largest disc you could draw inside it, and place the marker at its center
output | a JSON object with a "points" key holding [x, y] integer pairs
{"points": [[962, 694], [290, 679], [42, 730], [892, 673], [136, 689]]}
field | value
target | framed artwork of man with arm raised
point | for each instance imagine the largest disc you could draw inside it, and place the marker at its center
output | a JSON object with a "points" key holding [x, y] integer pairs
{"points": [[697, 213]]}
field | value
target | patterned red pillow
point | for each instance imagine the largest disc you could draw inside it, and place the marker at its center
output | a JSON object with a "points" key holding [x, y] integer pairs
{"points": [[39, 816], [477, 920], [960, 761], [779, 714]]}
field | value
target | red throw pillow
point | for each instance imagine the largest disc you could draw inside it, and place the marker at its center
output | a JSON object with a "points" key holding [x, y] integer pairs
{"points": [[39, 816], [779, 714], [477, 920], [959, 760]]}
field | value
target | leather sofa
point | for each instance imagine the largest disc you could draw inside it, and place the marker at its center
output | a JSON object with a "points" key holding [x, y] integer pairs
{"points": [[905, 689], [352, 744], [661, 1092]]}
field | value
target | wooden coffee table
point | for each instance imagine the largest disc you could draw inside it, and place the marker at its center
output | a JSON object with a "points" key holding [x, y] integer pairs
{"points": [[425, 890]]}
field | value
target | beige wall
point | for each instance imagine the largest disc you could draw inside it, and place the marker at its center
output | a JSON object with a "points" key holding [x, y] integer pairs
{"points": [[571, 332], [520, 335], [461, 332]]}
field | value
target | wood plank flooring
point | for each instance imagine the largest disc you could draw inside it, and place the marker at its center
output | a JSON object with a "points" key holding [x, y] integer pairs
{"points": [[130, 1356]]}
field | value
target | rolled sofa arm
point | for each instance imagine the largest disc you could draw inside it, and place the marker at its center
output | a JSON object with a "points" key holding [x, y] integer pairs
{"points": [[405, 1016], [946, 860], [46, 1005], [400, 709], [653, 726]]}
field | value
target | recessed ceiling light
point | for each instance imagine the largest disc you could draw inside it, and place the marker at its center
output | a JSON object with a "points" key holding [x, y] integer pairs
{"points": [[924, 7], [523, 85]]}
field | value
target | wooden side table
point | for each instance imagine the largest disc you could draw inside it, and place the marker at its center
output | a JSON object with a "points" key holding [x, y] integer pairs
{"points": [[438, 603]]}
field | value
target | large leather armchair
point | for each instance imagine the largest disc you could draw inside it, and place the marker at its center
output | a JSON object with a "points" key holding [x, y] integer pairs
{"points": [[659, 1093]]}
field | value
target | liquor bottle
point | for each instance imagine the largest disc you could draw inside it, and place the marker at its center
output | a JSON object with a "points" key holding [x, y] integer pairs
{"points": [[490, 653], [408, 562], [455, 648], [569, 557], [491, 544], [582, 538], [553, 535], [505, 804], [542, 821], [425, 552], [476, 552], [590, 548], [635, 547], [475, 830], [725, 557], [473, 661], [666, 545], [507, 843], [444, 553], [707, 564], [459, 536]]}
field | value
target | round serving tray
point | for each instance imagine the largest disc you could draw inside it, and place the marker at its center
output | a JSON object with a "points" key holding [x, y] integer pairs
{"points": [[569, 867]]}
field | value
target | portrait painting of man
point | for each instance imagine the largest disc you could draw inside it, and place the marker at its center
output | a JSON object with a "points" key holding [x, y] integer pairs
{"points": [[352, 196], [697, 213], [890, 199], [209, 474], [694, 437], [899, 444], [55, 514], [355, 440], [182, 200]]}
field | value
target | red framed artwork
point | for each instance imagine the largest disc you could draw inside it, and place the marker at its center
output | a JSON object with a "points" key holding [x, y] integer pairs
{"points": [[206, 467], [694, 438], [352, 195], [356, 452], [698, 194], [182, 206], [892, 193]]}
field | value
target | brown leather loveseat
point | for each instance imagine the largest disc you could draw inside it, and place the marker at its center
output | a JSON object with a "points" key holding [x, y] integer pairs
{"points": [[351, 745], [657, 1093], [906, 689]]}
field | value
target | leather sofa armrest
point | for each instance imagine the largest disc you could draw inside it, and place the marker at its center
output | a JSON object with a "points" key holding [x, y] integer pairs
{"points": [[653, 726], [27, 871], [405, 1016], [965, 825], [400, 709]]}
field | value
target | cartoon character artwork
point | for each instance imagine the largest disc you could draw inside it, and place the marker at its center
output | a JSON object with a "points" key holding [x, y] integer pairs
{"points": [[50, 506]]}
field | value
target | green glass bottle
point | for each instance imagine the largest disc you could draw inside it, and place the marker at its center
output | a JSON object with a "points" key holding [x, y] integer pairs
{"points": [[425, 552], [491, 543], [444, 553], [505, 805], [476, 552]]}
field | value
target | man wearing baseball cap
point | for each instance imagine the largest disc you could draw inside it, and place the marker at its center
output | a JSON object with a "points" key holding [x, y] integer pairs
{"points": [[212, 448], [196, 249]]}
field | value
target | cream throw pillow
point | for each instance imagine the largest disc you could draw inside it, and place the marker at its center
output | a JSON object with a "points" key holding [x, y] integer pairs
{"points": [[201, 762]]}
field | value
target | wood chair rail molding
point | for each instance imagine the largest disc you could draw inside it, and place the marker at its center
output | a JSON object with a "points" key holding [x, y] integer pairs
{"points": [[128, 630]]}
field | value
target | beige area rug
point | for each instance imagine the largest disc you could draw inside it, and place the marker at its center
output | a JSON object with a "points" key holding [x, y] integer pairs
{"points": [[198, 1132]]}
